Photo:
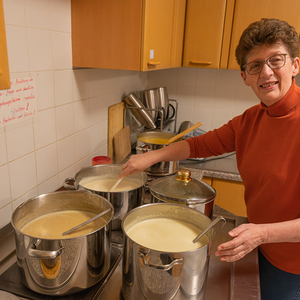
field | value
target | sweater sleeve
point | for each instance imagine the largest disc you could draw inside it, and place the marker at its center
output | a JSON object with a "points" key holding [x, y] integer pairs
{"points": [[213, 143]]}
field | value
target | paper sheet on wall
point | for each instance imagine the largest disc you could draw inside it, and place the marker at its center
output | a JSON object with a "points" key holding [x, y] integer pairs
{"points": [[19, 102]]}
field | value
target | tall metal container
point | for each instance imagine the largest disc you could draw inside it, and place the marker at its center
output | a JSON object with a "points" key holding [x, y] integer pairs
{"points": [[149, 274]]}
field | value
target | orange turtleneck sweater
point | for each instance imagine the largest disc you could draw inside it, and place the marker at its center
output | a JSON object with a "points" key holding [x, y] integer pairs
{"points": [[267, 145]]}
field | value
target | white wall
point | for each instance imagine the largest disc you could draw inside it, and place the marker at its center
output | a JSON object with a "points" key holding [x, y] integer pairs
{"points": [[71, 125]]}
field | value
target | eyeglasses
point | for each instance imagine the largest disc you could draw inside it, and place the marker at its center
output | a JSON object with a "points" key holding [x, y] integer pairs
{"points": [[276, 61]]}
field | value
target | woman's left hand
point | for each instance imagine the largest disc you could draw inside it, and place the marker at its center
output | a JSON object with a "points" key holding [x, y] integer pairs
{"points": [[246, 237]]}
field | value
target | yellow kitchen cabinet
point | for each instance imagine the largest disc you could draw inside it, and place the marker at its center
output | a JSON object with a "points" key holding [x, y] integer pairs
{"points": [[207, 29], [214, 27], [4, 70], [247, 12], [230, 195], [139, 35]]}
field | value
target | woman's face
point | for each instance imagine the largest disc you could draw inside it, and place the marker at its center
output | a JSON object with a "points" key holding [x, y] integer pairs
{"points": [[270, 85]]}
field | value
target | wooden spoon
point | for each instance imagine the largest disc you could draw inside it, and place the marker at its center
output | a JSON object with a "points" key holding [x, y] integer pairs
{"points": [[179, 135]]}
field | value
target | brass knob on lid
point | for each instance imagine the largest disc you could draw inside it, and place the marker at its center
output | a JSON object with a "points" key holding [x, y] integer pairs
{"points": [[184, 175]]}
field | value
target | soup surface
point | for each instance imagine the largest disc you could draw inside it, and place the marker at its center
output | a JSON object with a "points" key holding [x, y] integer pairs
{"points": [[53, 225], [100, 184], [168, 235], [154, 140]]}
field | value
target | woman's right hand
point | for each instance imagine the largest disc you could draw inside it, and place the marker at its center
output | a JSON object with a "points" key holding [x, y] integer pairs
{"points": [[136, 164]]}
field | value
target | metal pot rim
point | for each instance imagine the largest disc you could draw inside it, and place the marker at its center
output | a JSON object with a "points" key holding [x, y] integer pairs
{"points": [[143, 207], [72, 192]]}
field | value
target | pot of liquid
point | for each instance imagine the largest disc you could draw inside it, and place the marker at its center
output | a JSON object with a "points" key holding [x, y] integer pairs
{"points": [[100, 179], [160, 260], [53, 264], [152, 140]]}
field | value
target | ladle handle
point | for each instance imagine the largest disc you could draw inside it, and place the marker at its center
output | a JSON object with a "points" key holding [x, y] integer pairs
{"points": [[212, 224], [86, 222], [179, 135]]}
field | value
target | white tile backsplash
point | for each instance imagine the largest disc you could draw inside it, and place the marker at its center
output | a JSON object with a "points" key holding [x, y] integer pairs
{"points": [[3, 152], [46, 163], [22, 174], [19, 139], [17, 48], [44, 128], [37, 155], [38, 14], [5, 196], [40, 49]]}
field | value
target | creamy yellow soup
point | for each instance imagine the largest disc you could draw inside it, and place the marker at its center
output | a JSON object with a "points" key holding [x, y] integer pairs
{"points": [[100, 184], [53, 225], [154, 140], [168, 235]]}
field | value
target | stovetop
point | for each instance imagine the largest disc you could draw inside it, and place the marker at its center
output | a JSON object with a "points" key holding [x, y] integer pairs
{"points": [[10, 281]]}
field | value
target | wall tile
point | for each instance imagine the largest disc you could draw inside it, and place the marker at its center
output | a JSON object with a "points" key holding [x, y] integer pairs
{"points": [[220, 117], [22, 173], [3, 152], [14, 12], [49, 186], [63, 81], [67, 173], [38, 14], [31, 194], [5, 195], [186, 95], [80, 84], [40, 49], [44, 89], [62, 50], [5, 215], [66, 153], [46, 163], [64, 120], [187, 76], [81, 115], [82, 144], [206, 78], [44, 128], [20, 140], [61, 15], [17, 49]]}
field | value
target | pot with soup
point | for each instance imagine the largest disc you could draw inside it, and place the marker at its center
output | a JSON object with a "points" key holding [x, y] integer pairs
{"points": [[152, 140], [53, 264], [160, 260], [101, 178]]}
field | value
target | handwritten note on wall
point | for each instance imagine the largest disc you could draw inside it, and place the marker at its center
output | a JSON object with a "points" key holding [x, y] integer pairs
{"points": [[19, 102]]}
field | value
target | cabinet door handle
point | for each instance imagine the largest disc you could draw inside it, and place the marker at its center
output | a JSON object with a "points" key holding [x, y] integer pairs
{"points": [[153, 63], [197, 62]]}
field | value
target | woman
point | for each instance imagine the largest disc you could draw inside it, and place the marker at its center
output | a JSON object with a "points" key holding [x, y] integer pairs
{"points": [[266, 139]]}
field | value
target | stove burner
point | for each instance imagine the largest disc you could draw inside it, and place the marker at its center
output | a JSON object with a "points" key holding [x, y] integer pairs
{"points": [[10, 281]]}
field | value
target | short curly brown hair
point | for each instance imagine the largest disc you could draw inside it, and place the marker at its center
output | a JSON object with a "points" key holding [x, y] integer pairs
{"points": [[267, 32]]}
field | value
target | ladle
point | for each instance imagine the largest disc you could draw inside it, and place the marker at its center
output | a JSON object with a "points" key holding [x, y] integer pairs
{"points": [[115, 185], [87, 222], [179, 135], [212, 224]]}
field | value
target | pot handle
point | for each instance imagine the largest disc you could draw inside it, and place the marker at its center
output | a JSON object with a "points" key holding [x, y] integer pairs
{"points": [[44, 254], [67, 184], [143, 148], [176, 261]]}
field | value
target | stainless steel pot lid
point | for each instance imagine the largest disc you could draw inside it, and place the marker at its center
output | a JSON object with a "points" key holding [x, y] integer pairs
{"points": [[182, 188]]}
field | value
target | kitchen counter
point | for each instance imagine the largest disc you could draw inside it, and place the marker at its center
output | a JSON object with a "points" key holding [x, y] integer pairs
{"points": [[222, 167]]}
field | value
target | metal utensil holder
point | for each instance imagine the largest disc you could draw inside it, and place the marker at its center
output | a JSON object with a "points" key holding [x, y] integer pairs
{"points": [[159, 110]]}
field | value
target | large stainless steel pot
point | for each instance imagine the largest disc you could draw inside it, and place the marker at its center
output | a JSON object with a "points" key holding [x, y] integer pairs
{"points": [[62, 266], [183, 189], [157, 275], [162, 168], [121, 201]]}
